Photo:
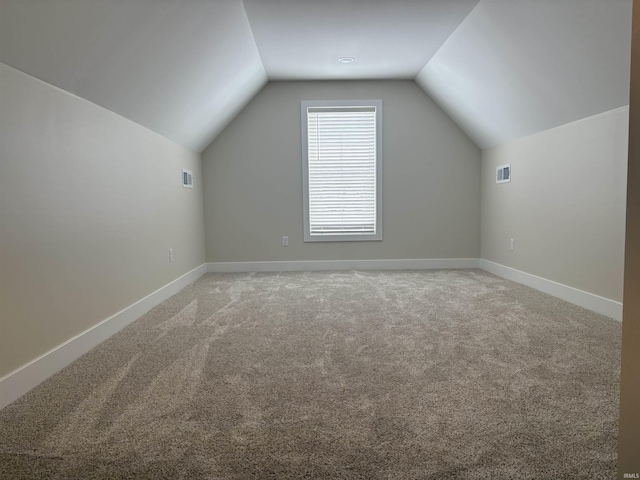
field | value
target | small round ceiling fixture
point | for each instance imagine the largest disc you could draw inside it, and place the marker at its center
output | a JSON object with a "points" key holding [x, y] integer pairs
{"points": [[346, 59]]}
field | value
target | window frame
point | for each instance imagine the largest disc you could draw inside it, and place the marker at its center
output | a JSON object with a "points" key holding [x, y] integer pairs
{"points": [[305, 105]]}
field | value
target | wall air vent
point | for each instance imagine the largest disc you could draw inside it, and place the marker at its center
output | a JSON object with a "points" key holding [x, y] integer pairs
{"points": [[503, 173], [187, 179]]}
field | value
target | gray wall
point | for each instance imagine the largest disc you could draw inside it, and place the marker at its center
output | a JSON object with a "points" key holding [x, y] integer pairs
{"points": [[565, 205], [90, 203], [253, 186]]}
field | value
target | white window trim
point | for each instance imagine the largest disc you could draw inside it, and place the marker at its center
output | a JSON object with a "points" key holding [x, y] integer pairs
{"points": [[305, 170]]}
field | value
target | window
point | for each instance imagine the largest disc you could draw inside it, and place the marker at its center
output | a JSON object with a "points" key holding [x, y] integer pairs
{"points": [[342, 170]]}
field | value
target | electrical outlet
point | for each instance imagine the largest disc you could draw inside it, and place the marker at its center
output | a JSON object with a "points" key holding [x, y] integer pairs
{"points": [[285, 241], [171, 254], [512, 244]]}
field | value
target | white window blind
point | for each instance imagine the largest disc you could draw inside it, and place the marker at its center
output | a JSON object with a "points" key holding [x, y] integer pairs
{"points": [[342, 171]]}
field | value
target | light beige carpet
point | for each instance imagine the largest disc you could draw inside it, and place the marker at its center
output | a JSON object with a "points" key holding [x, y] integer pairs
{"points": [[333, 375]]}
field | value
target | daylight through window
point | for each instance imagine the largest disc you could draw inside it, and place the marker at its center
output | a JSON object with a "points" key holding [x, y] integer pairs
{"points": [[342, 170]]}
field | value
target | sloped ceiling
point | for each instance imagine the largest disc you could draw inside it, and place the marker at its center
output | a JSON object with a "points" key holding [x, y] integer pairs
{"points": [[502, 69], [182, 68], [515, 68]]}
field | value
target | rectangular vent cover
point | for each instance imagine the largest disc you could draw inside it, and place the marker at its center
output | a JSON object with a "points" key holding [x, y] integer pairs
{"points": [[503, 173], [187, 179]]}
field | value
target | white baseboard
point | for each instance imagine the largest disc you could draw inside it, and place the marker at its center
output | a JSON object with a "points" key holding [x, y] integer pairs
{"points": [[20, 381], [323, 265], [604, 306]]}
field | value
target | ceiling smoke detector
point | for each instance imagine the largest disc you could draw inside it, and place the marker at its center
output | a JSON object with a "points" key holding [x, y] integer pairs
{"points": [[346, 59]]}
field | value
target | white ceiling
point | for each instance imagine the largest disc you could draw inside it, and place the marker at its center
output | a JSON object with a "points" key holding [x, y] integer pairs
{"points": [[513, 68], [302, 39], [185, 68]]}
